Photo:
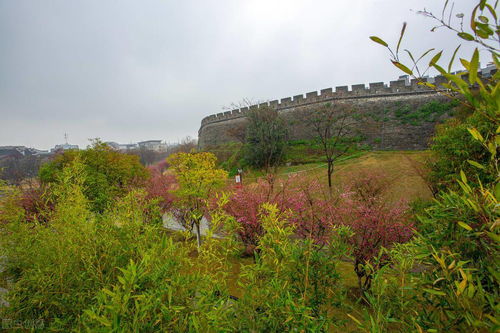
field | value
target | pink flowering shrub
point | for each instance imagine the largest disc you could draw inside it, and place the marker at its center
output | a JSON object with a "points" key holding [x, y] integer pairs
{"points": [[376, 223], [159, 167], [244, 206], [299, 200], [158, 187], [312, 215]]}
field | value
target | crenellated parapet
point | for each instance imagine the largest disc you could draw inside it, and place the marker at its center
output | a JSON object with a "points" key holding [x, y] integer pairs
{"points": [[403, 86], [374, 89], [391, 113]]}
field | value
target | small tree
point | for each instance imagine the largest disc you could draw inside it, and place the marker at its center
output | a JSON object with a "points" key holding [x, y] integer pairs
{"points": [[197, 177], [265, 138], [376, 224], [332, 125]]}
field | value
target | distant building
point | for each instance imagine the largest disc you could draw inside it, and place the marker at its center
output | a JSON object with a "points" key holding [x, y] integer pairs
{"points": [[128, 146], [122, 147], [64, 147], [155, 145], [39, 152], [489, 70], [405, 78], [20, 151], [113, 145]]}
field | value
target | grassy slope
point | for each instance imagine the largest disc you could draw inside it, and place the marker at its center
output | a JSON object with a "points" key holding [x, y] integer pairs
{"points": [[398, 166]]}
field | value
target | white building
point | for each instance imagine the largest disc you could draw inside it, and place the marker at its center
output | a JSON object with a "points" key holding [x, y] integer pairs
{"points": [[155, 145], [63, 147]]}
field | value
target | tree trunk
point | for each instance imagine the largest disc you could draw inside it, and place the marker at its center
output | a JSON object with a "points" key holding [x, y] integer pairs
{"points": [[330, 172]]}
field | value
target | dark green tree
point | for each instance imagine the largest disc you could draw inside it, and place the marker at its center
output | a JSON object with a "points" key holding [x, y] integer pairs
{"points": [[266, 138]]}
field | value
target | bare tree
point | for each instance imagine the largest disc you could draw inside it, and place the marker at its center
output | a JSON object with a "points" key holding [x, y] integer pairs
{"points": [[238, 131], [18, 169], [333, 127], [186, 145]]}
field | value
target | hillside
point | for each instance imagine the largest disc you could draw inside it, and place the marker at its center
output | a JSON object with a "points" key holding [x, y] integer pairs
{"points": [[402, 168]]}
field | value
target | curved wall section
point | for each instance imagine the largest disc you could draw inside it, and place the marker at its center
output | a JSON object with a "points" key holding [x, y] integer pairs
{"points": [[380, 104]]}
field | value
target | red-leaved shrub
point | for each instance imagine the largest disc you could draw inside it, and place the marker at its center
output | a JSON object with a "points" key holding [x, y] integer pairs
{"points": [[300, 199], [36, 204], [376, 222], [158, 186]]}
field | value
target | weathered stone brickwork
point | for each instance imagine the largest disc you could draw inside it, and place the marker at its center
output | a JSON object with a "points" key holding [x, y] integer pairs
{"points": [[379, 104]]}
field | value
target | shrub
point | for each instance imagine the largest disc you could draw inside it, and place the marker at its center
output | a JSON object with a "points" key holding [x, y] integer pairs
{"points": [[296, 197], [159, 187], [265, 141], [376, 224], [108, 173], [285, 289], [198, 178], [453, 147], [58, 267]]}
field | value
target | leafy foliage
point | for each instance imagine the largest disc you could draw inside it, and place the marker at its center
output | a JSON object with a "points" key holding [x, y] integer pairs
{"points": [[159, 187], [108, 173], [198, 178], [283, 290], [299, 200], [453, 148], [377, 225], [460, 234], [265, 141]]}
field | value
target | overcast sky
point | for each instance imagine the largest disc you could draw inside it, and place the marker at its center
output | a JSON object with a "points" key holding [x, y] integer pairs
{"points": [[128, 71]]}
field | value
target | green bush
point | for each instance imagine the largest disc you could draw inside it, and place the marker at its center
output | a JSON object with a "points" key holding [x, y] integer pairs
{"points": [[58, 267], [288, 287], [108, 173], [453, 147], [428, 112], [266, 136]]}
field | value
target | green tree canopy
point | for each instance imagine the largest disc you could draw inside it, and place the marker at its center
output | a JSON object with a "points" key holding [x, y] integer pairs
{"points": [[108, 173]]}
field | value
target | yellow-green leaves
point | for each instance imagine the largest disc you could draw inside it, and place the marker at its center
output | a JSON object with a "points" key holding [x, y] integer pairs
{"points": [[402, 67], [196, 174], [474, 66], [475, 134], [464, 225], [378, 40], [466, 36], [435, 59]]}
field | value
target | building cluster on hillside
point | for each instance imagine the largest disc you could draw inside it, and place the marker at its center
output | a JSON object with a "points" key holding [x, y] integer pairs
{"points": [[154, 145], [20, 151]]}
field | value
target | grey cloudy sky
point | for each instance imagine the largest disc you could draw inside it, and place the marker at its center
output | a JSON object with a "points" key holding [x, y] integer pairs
{"points": [[127, 71]]}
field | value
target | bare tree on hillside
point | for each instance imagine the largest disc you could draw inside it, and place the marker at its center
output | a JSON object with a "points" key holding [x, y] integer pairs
{"points": [[238, 131], [186, 145], [333, 127], [16, 170]]}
